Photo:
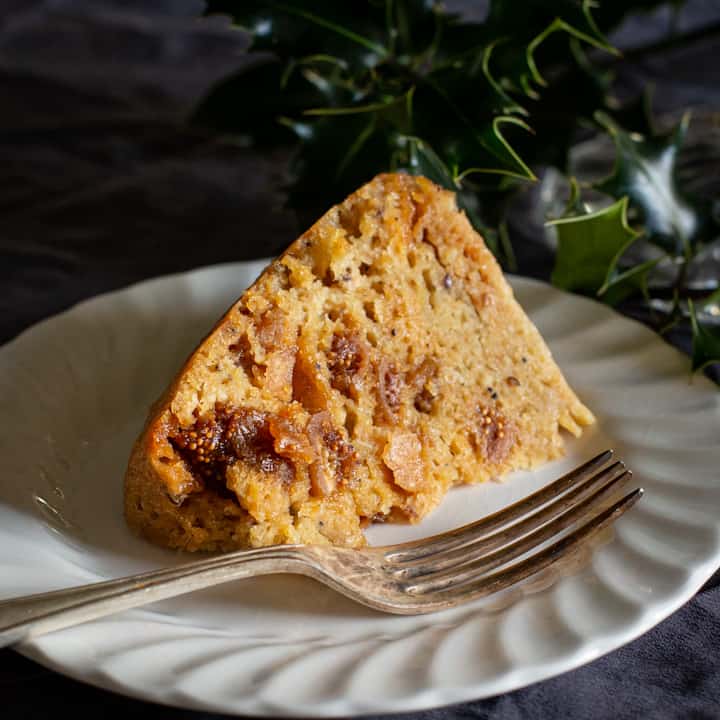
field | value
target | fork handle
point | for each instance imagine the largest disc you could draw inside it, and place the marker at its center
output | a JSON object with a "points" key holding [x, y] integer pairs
{"points": [[26, 617]]}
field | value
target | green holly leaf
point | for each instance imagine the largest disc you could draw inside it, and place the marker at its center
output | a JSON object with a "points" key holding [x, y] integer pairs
{"points": [[413, 28], [275, 92], [632, 281], [705, 342], [470, 135], [356, 89], [558, 113], [297, 28], [421, 159], [503, 17], [645, 172], [517, 61], [589, 248]]}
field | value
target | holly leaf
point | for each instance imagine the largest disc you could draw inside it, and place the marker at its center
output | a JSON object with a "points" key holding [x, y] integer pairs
{"points": [[589, 248], [517, 62], [470, 134], [705, 342], [645, 172], [423, 160], [413, 28], [558, 114], [335, 156], [275, 92], [620, 285], [503, 18], [297, 28]]}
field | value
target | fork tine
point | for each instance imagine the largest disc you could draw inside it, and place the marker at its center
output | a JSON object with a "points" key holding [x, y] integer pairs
{"points": [[599, 484], [514, 574], [445, 542], [512, 546]]}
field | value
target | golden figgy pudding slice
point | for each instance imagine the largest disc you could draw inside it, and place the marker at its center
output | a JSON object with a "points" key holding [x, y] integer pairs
{"points": [[379, 361]]}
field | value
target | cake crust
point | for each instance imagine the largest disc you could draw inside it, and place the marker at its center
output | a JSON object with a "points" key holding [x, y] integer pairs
{"points": [[379, 361]]}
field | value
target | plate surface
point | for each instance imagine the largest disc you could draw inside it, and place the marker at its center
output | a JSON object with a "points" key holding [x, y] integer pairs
{"points": [[74, 391]]}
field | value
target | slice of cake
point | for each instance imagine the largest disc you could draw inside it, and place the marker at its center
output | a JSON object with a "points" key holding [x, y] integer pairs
{"points": [[379, 361]]}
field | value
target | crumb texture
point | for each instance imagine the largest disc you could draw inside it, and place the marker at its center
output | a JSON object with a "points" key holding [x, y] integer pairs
{"points": [[379, 361]]}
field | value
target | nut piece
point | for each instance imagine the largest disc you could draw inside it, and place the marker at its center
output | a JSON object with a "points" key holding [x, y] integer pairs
{"points": [[402, 455]]}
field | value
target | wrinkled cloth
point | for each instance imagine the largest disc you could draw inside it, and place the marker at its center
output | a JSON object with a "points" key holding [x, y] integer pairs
{"points": [[102, 185]]}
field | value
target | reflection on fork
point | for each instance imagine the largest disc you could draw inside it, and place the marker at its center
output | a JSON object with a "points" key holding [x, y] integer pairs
{"points": [[480, 559]]}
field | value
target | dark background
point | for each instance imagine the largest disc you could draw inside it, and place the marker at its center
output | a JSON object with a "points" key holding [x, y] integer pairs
{"points": [[102, 185]]}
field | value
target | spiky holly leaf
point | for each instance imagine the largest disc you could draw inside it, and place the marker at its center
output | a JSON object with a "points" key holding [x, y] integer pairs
{"points": [[557, 114], [705, 343], [541, 20], [503, 18], [420, 159], [620, 285], [336, 62], [645, 172], [251, 102], [470, 135], [413, 28], [589, 248], [297, 28], [333, 154]]}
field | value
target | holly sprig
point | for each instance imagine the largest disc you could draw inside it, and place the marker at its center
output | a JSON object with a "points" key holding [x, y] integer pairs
{"points": [[354, 89]]}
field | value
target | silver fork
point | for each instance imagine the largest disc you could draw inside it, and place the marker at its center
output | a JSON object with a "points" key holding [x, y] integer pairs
{"points": [[485, 557]]}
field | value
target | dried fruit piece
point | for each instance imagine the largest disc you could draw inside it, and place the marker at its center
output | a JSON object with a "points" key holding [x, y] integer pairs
{"points": [[278, 379], [424, 381], [389, 388], [222, 439], [492, 435], [242, 354], [309, 389], [334, 457], [347, 362], [402, 455], [289, 440]]}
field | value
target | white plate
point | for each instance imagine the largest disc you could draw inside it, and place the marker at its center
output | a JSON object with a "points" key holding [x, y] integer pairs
{"points": [[74, 391]]}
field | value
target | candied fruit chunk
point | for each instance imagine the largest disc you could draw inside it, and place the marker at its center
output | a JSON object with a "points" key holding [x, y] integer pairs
{"points": [[402, 455], [290, 441], [279, 368], [334, 457]]}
